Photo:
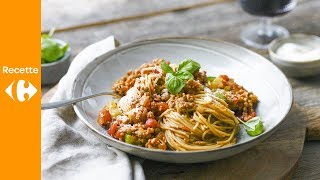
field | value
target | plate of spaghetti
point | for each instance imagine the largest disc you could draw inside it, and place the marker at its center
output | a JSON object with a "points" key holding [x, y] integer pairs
{"points": [[182, 100]]}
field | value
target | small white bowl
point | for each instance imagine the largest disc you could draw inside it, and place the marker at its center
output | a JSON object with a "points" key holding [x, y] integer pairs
{"points": [[310, 67]]}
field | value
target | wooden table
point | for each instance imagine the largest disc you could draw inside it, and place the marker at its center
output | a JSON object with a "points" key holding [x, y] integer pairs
{"points": [[81, 23]]}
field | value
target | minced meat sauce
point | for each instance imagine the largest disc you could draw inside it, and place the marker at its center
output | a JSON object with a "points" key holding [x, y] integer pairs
{"points": [[133, 119]]}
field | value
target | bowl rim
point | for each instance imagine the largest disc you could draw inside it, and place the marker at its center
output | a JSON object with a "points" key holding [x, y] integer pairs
{"points": [[264, 135], [277, 41], [65, 57]]}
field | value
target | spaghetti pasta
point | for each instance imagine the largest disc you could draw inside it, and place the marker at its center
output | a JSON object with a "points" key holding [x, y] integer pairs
{"points": [[176, 107], [211, 126]]}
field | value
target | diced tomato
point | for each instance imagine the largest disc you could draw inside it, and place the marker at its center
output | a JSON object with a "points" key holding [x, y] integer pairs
{"points": [[118, 135], [152, 123], [224, 77], [104, 117], [162, 106], [112, 130]]}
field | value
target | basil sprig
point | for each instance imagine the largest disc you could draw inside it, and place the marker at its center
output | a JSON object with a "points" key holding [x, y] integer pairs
{"points": [[175, 81], [189, 65], [166, 68], [254, 126], [174, 84], [51, 50]]}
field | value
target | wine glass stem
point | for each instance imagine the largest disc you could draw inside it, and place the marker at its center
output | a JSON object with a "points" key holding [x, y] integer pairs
{"points": [[265, 24]]}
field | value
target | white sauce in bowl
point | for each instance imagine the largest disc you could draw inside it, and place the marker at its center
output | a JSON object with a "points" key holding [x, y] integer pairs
{"points": [[299, 52]]}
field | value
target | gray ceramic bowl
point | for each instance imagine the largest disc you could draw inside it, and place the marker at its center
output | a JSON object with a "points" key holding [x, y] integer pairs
{"points": [[51, 73], [295, 68], [249, 69]]}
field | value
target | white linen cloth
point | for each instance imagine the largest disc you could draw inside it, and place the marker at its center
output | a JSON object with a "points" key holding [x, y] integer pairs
{"points": [[69, 149]]}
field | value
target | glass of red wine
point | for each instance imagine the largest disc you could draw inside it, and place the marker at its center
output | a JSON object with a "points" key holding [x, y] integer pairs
{"points": [[261, 34]]}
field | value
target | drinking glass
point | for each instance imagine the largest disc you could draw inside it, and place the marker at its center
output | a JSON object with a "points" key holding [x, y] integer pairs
{"points": [[259, 35]]}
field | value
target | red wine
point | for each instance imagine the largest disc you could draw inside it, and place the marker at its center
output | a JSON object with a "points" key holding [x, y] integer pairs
{"points": [[267, 7]]}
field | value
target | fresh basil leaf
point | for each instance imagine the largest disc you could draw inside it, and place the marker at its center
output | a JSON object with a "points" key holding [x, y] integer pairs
{"points": [[220, 96], [51, 50], [64, 48], [258, 129], [211, 78], [166, 68], [184, 75], [189, 65], [174, 84], [49, 35], [254, 126], [44, 36]]}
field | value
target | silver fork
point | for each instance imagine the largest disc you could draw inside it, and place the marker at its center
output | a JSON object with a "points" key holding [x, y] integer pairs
{"points": [[71, 101]]}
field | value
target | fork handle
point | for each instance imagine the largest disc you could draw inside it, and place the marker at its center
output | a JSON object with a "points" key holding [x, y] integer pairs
{"points": [[71, 101]]}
